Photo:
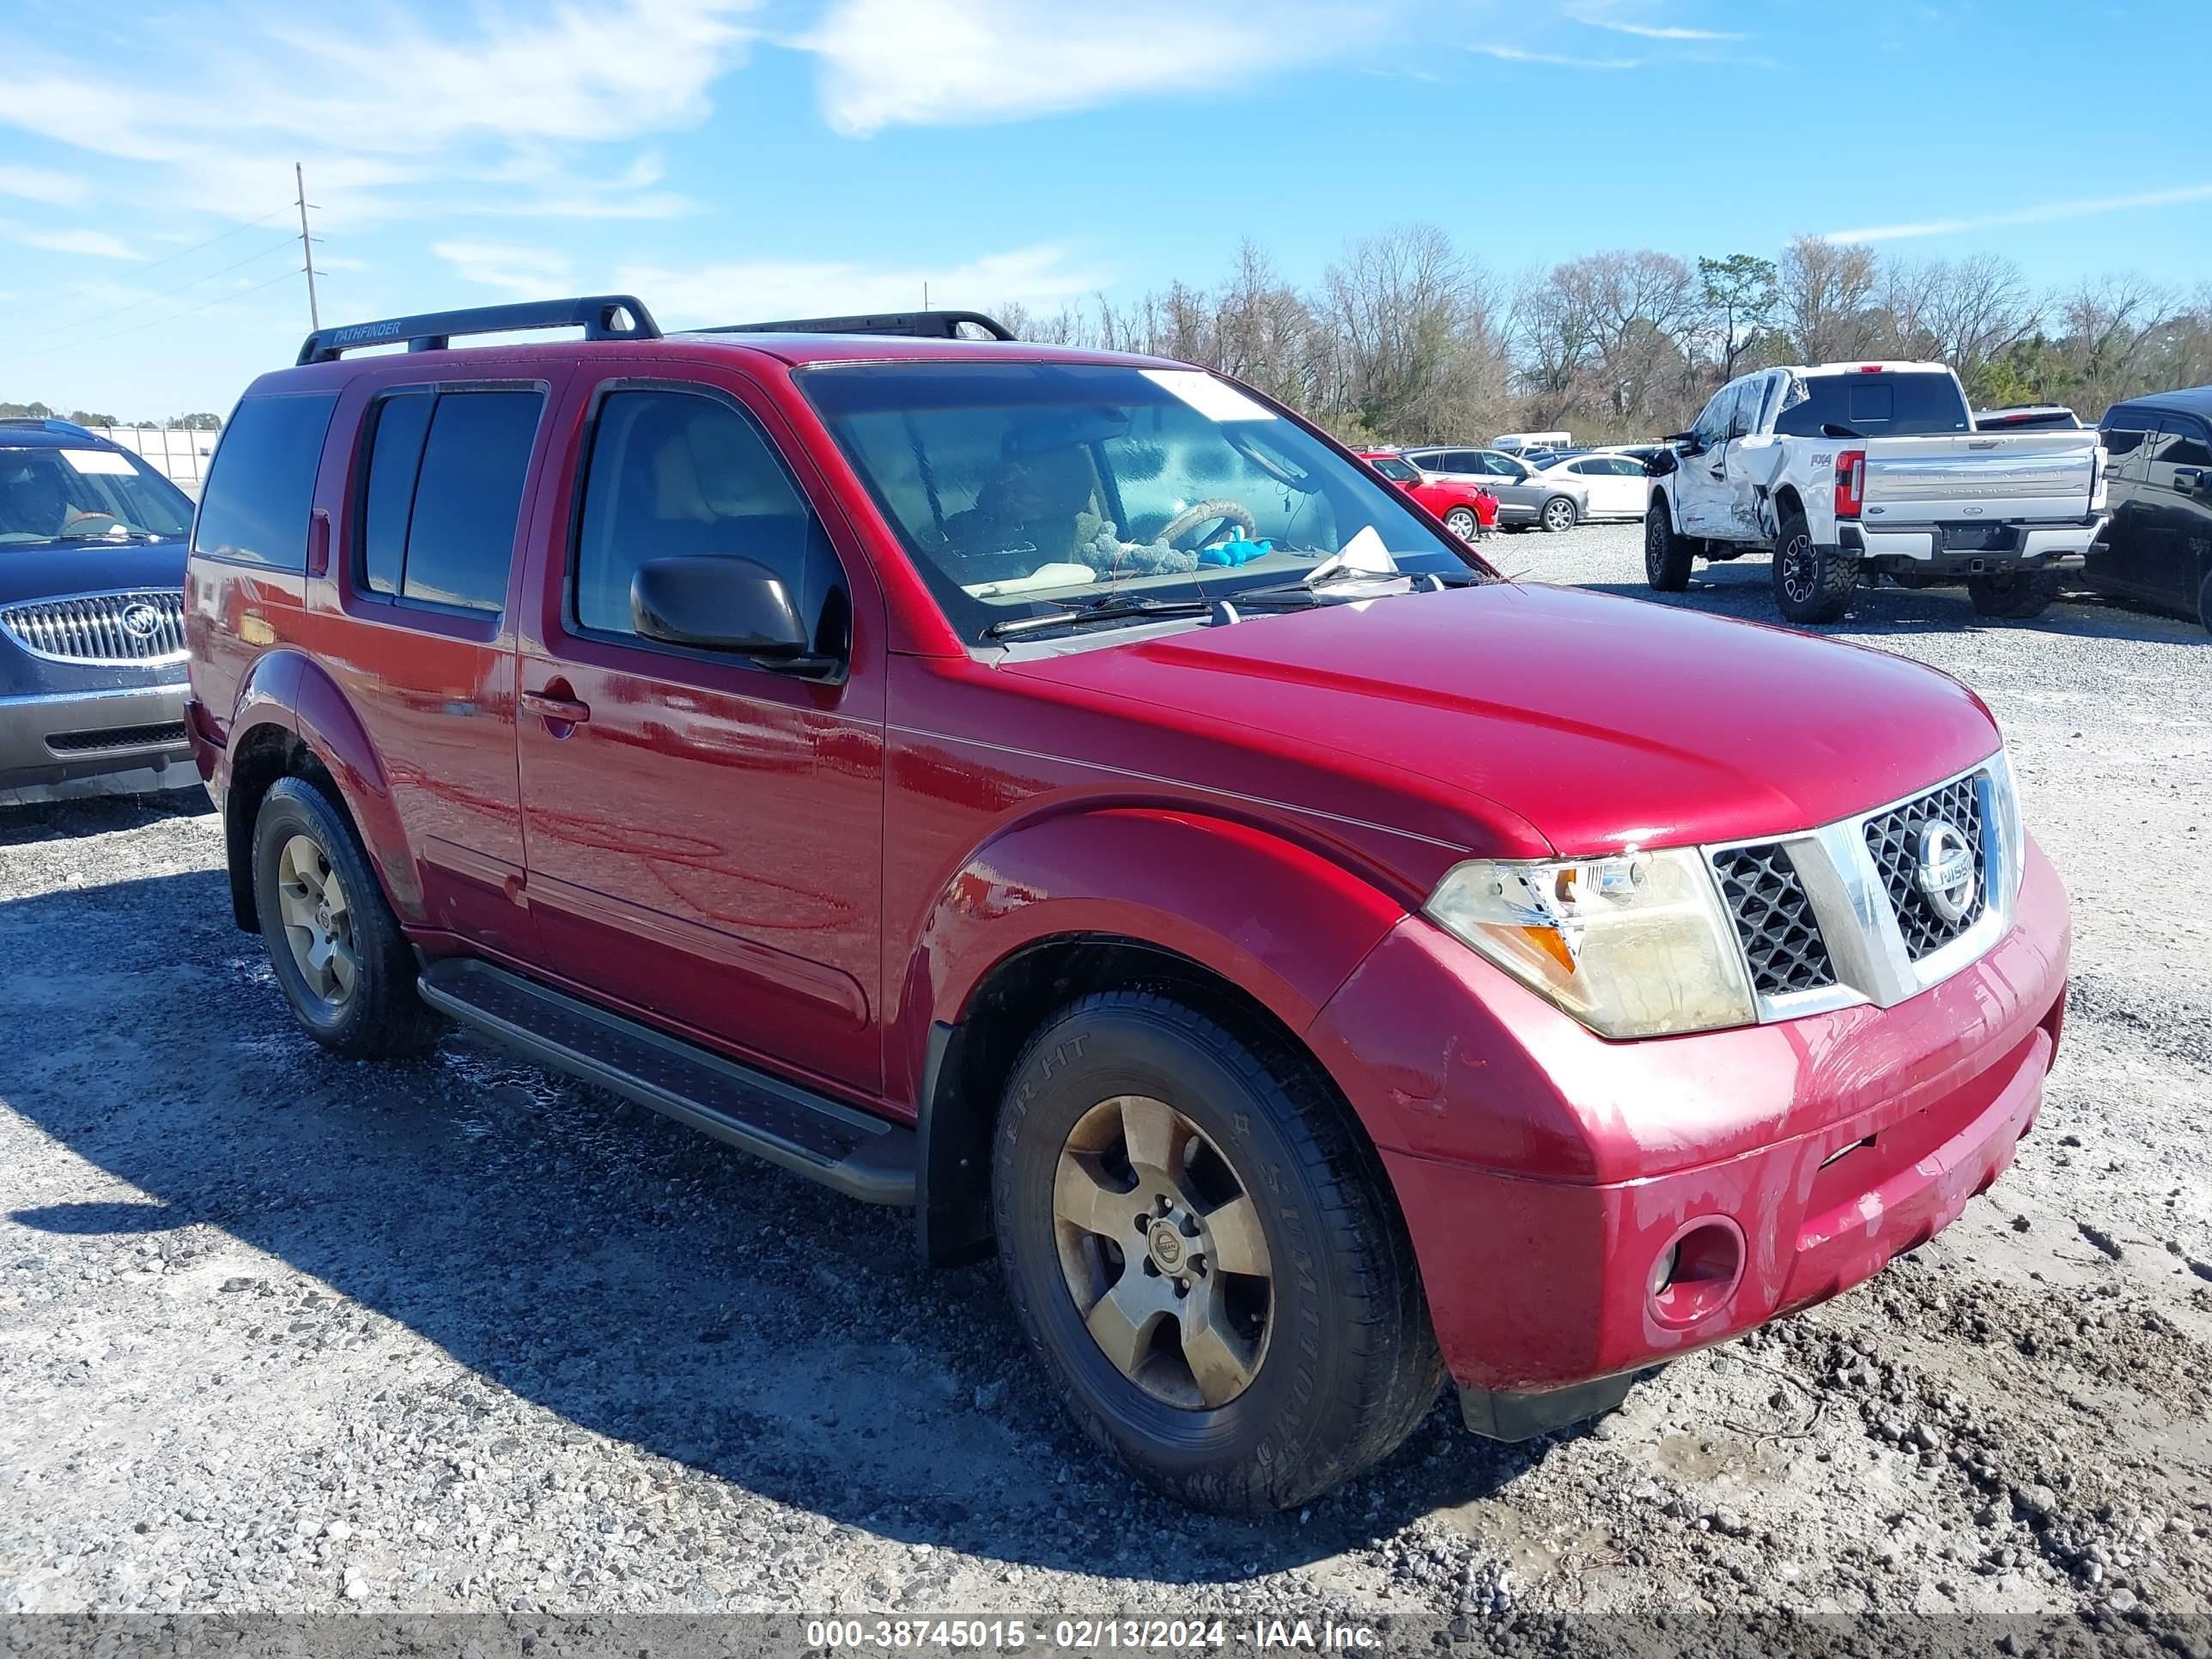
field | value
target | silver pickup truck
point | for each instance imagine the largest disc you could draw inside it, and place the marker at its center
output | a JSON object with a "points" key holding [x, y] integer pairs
{"points": [[1850, 469]]}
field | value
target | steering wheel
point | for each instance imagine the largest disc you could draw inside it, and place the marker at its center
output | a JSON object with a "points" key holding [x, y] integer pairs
{"points": [[1209, 516]]}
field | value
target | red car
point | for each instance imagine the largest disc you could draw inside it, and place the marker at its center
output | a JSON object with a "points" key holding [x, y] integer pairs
{"points": [[1466, 511], [1066, 793]]}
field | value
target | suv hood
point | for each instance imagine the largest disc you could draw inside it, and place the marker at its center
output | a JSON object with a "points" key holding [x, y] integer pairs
{"points": [[1604, 722], [40, 570]]}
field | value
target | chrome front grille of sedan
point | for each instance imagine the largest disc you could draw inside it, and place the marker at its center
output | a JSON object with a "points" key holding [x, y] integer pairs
{"points": [[139, 629]]}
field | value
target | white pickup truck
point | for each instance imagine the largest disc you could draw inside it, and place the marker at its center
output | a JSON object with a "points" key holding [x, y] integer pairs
{"points": [[1851, 469]]}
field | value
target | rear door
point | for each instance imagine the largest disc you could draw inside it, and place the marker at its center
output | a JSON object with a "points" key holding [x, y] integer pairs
{"points": [[2123, 560], [705, 834], [441, 481]]}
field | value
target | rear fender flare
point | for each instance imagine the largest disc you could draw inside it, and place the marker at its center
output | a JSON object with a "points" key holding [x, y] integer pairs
{"points": [[324, 720]]}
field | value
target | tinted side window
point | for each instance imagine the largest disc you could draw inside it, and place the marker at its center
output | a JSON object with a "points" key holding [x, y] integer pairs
{"points": [[2124, 439], [674, 475], [263, 482], [2181, 443], [1712, 423], [468, 498], [395, 455]]}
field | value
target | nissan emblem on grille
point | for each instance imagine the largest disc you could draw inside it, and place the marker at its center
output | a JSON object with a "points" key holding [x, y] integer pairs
{"points": [[1944, 871]]}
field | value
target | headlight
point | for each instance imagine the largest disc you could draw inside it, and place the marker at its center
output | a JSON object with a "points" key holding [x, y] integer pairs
{"points": [[1633, 946]]}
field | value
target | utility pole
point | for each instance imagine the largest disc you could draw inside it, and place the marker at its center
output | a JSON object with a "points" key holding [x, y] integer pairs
{"points": [[925, 294], [307, 247]]}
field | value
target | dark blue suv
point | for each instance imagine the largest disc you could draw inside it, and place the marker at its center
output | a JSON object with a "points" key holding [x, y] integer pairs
{"points": [[92, 624]]}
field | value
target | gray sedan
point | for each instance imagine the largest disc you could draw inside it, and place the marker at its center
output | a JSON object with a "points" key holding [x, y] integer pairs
{"points": [[1523, 497]]}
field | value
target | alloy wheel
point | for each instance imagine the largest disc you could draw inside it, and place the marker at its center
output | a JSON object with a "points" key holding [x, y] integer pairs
{"points": [[317, 922], [1162, 1248], [1800, 570], [1461, 523]]}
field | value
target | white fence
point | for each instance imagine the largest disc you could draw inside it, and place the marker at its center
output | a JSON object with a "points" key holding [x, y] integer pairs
{"points": [[181, 456]]}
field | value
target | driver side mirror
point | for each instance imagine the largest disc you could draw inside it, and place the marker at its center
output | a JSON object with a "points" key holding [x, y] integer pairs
{"points": [[1660, 463], [734, 605]]}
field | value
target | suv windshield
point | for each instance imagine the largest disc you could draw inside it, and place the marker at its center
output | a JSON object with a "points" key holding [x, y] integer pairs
{"points": [[1029, 488], [49, 495], [1917, 404]]}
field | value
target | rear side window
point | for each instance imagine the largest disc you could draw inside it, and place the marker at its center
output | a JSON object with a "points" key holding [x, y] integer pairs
{"points": [[262, 482], [2123, 435], [1910, 405], [444, 494]]}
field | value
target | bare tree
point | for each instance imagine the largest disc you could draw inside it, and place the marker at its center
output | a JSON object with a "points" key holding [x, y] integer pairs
{"points": [[1827, 290]]}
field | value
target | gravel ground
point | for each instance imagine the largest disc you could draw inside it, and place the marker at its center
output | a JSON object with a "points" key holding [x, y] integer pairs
{"points": [[282, 1331]]}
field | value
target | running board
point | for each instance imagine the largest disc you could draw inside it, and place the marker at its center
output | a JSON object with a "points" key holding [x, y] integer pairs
{"points": [[806, 1132]]}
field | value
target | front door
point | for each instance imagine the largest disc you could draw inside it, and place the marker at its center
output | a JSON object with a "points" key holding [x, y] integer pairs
{"points": [[1701, 489], [704, 834], [2178, 496]]}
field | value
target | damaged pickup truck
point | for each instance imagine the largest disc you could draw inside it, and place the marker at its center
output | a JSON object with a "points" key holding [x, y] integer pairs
{"points": [[1852, 469]]}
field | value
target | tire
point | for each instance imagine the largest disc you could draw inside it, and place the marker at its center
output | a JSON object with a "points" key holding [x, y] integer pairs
{"points": [[1811, 584], [2014, 594], [1558, 513], [1668, 555], [309, 870], [1266, 1154], [1462, 523]]}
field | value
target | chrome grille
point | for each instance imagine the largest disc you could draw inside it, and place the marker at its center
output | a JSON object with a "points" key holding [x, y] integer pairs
{"points": [[1893, 840], [139, 629], [1773, 913]]}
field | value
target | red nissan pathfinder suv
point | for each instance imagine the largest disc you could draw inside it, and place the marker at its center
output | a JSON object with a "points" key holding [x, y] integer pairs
{"points": [[1066, 793]]}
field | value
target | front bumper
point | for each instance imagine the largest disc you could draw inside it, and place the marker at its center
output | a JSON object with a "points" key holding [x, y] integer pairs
{"points": [[52, 737], [1546, 1174]]}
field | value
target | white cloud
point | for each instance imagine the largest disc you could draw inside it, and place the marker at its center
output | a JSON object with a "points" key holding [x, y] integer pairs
{"points": [[949, 63], [2043, 213], [1555, 59], [761, 291], [1660, 32], [98, 244], [530, 273], [384, 102], [42, 184]]}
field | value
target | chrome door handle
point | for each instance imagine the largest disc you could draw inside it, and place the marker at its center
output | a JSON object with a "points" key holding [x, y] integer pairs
{"points": [[567, 711]]}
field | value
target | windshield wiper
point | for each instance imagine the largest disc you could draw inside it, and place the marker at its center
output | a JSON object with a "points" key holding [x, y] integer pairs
{"points": [[102, 538], [1107, 607]]}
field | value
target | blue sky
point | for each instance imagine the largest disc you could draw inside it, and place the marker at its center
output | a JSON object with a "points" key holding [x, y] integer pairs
{"points": [[736, 159]]}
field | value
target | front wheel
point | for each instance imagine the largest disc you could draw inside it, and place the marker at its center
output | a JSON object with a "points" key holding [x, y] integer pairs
{"points": [[1559, 514], [1462, 523], [1668, 555], [1812, 584], [1205, 1256], [2013, 594]]}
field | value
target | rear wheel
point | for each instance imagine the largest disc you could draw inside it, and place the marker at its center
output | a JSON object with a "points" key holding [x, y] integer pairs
{"points": [[1812, 584], [1559, 514], [1462, 523], [2015, 594], [1205, 1257], [335, 944], [1667, 556]]}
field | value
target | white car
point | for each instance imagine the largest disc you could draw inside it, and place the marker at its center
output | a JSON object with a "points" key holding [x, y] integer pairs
{"points": [[1606, 486]]}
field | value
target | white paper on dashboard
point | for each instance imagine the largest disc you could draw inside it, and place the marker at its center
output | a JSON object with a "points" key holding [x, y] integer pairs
{"points": [[98, 460], [1217, 400]]}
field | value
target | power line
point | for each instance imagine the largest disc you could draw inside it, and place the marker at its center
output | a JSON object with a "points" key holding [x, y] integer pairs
{"points": [[78, 345], [283, 242], [133, 270]]}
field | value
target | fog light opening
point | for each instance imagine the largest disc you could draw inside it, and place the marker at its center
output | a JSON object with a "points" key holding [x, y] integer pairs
{"points": [[1698, 1272]]}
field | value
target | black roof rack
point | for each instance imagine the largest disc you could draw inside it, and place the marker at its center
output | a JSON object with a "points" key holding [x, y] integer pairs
{"points": [[601, 316], [916, 325]]}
